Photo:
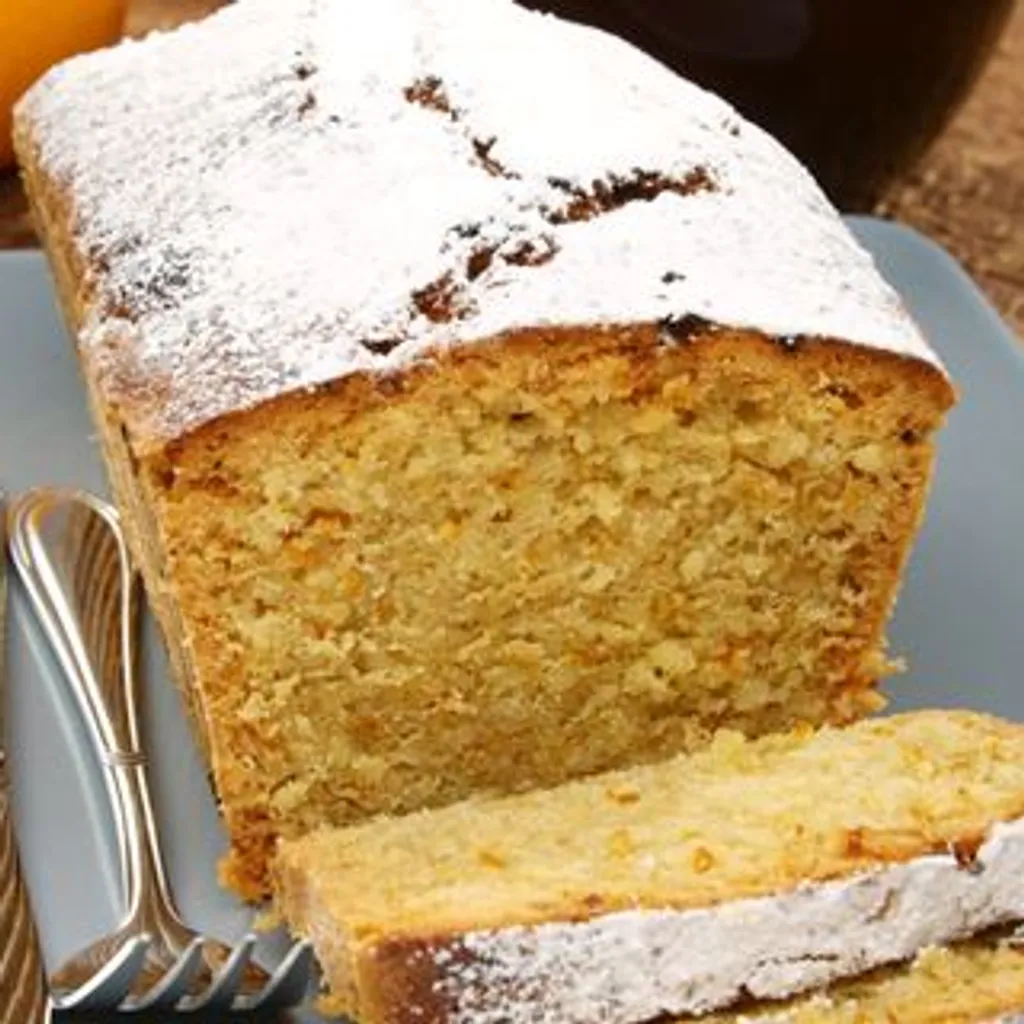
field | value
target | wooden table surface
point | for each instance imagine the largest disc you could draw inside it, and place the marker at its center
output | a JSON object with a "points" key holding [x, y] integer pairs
{"points": [[968, 193]]}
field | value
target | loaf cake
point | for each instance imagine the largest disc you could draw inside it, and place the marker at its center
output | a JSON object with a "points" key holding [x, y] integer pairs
{"points": [[752, 870], [487, 406]]}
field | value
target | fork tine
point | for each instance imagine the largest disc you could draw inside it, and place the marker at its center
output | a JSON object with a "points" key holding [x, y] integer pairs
{"points": [[111, 983], [175, 983], [221, 994], [289, 983]]}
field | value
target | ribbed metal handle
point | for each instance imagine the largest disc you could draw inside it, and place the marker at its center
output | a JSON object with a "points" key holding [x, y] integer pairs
{"points": [[71, 557], [23, 994]]}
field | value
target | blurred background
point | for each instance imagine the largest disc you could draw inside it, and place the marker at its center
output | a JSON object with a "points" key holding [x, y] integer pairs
{"points": [[912, 109]]}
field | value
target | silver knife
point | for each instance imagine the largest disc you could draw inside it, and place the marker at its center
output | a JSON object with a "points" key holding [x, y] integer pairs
{"points": [[23, 994]]}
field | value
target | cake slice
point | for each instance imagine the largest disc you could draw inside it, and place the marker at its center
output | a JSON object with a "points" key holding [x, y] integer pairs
{"points": [[487, 405], [756, 869], [975, 982]]}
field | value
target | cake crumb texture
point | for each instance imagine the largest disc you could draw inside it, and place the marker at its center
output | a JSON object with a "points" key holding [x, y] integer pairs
{"points": [[688, 832], [562, 554]]}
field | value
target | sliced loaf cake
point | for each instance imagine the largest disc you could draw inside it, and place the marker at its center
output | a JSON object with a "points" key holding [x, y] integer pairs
{"points": [[755, 870]]}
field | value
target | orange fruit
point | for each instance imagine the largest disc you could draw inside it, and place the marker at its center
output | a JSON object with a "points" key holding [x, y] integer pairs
{"points": [[34, 36]]}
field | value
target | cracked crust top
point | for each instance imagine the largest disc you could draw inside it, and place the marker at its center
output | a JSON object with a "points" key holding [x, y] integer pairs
{"points": [[286, 194]]}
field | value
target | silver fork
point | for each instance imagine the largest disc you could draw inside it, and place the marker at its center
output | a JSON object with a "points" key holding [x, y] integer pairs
{"points": [[69, 551]]}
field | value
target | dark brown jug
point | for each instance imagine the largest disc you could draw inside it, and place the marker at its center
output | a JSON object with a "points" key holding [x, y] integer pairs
{"points": [[856, 88]]}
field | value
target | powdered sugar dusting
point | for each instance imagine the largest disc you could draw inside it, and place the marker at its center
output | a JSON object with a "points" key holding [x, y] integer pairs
{"points": [[638, 965], [824, 1007], [269, 204]]}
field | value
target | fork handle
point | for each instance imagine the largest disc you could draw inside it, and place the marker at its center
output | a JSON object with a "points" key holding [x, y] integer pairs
{"points": [[23, 995], [70, 553]]}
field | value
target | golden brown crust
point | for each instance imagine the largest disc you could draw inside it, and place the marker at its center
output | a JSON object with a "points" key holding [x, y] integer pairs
{"points": [[804, 362], [399, 979]]}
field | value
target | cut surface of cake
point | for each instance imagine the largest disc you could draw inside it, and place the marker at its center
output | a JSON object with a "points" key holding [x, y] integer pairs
{"points": [[487, 405], [753, 870]]}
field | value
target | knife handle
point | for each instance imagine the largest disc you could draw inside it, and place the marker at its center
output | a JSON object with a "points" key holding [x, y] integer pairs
{"points": [[23, 994]]}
